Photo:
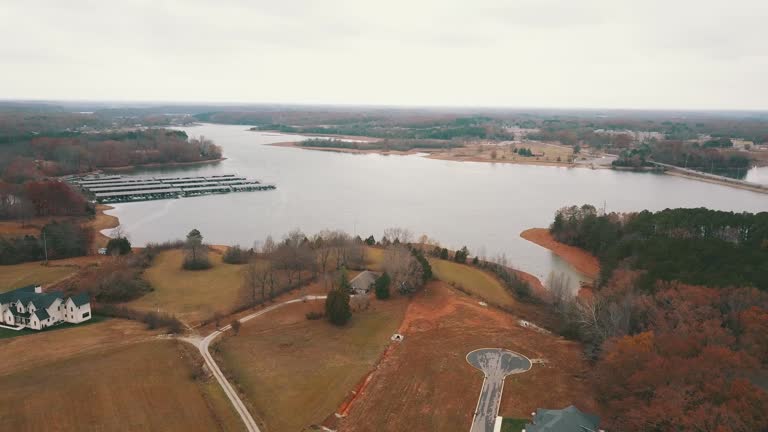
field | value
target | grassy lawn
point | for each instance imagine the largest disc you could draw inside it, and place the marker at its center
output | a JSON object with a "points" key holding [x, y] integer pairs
{"points": [[513, 424], [296, 372], [134, 387], [374, 258], [19, 275], [6, 333], [192, 296], [472, 280]]}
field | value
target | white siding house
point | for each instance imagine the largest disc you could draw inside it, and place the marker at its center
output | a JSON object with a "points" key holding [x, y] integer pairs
{"points": [[30, 307]]}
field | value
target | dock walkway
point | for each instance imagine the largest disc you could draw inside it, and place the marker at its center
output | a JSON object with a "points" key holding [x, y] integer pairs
{"points": [[115, 189]]}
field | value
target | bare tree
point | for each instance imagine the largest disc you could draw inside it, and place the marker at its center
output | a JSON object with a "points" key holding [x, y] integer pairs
{"points": [[398, 235], [257, 278], [269, 246], [403, 268]]}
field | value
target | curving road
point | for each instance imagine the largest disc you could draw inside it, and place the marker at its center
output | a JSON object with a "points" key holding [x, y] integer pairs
{"points": [[204, 343], [496, 364]]}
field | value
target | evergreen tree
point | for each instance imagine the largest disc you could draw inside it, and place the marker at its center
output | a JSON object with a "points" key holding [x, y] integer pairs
{"points": [[381, 286], [337, 307]]}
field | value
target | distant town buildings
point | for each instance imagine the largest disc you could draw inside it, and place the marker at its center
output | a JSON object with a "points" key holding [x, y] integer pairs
{"points": [[29, 307]]}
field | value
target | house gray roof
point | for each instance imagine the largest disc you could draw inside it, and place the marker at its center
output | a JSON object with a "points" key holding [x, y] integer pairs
{"points": [[43, 301], [363, 281], [569, 419], [41, 314], [81, 299], [24, 294]]}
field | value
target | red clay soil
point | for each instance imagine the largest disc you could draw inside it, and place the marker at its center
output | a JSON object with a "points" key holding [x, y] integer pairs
{"points": [[424, 383], [580, 259]]}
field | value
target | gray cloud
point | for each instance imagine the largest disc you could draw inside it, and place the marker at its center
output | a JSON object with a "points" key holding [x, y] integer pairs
{"points": [[591, 53]]}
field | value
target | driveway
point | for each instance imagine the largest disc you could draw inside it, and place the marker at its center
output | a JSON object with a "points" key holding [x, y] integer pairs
{"points": [[496, 364], [202, 344]]}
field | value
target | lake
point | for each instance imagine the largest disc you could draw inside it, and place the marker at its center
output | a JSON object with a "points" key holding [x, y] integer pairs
{"points": [[484, 206]]}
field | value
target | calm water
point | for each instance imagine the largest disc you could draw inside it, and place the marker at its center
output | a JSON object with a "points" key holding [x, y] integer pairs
{"points": [[484, 206]]}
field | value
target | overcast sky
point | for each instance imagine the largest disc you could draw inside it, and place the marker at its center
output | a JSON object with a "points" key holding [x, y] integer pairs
{"points": [[701, 54]]}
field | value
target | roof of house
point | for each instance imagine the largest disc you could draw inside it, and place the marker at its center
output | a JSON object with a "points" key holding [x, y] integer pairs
{"points": [[363, 281], [81, 299], [23, 294], [41, 314], [43, 301], [569, 419]]}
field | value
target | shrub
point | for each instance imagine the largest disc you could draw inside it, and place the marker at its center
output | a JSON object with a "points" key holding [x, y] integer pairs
{"points": [[119, 246], [201, 262], [235, 255], [314, 315]]}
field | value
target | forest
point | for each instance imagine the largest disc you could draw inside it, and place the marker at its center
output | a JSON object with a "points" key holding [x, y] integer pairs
{"points": [[677, 324], [695, 246]]}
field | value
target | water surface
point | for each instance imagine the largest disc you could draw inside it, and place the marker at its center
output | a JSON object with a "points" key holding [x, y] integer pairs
{"points": [[484, 206]]}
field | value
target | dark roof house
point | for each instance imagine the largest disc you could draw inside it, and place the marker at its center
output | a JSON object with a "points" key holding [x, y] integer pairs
{"points": [[569, 419], [361, 284]]}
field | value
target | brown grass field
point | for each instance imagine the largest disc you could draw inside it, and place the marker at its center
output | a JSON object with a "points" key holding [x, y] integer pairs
{"points": [[193, 296], [295, 372], [18, 275], [425, 383], [107, 376], [473, 280], [545, 153]]}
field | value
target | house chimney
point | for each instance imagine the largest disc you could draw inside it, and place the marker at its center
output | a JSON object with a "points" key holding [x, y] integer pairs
{"points": [[38, 289]]}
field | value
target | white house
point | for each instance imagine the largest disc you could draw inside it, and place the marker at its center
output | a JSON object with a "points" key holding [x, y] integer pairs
{"points": [[30, 307]]}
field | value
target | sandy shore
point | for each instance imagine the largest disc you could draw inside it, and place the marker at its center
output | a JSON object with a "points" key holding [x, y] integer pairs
{"points": [[448, 157], [580, 259], [346, 150], [101, 222]]}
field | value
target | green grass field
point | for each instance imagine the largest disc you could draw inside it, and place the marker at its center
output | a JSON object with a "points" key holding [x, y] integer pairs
{"points": [[472, 280], [19, 275], [296, 372], [513, 424], [134, 387], [192, 296]]}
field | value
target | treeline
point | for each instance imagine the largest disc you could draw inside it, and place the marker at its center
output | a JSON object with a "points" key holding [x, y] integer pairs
{"points": [[475, 127], [72, 153], [41, 198], [712, 157], [679, 358], [59, 239], [695, 246], [385, 145]]}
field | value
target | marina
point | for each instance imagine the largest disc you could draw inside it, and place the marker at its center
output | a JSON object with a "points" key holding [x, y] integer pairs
{"points": [[116, 189]]}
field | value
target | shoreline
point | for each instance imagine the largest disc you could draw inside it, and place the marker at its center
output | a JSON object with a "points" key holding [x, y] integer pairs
{"points": [[430, 154], [162, 165], [581, 260], [717, 182]]}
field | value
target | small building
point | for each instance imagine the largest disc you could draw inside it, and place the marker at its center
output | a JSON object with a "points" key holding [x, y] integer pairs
{"points": [[569, 419], [29, 307], [363, 282]]}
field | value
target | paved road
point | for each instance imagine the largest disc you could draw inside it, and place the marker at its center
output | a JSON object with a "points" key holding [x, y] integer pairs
{"points": [[496, 364], [204, 343]]}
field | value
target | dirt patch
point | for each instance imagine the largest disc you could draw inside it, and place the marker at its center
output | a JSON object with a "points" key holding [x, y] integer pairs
{"points": [[425, 383], [580, 259]]}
